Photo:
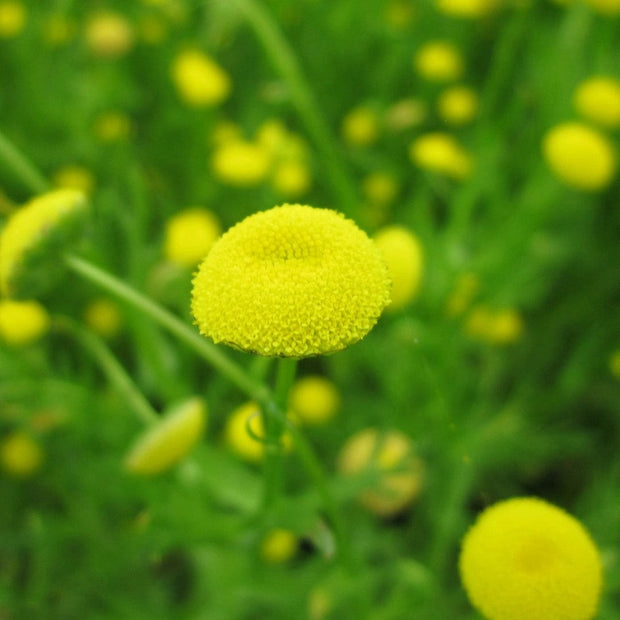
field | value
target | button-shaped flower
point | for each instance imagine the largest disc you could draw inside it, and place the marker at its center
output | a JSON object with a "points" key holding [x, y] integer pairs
{"points": [[293, 281]]}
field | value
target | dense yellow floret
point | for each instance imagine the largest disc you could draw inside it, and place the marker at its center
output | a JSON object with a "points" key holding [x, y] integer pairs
{"points": [[22, 322], [525, 559], [189, 235], [580, 156], [293, 281], [34, 236], [598, 100], [169, 440], [199, 80]]}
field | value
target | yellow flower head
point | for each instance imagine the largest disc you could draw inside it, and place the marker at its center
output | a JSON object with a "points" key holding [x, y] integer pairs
{"points": [[580, 156], [458, 105], [313, 400], [293, 281], [112, 127], [403, 254], [390, 456], [525, 559], [439, 61], [20, 454], [598, 100], [279, 546], [494, 326], [291, 178], [241, 163], [606, 7], [169, 440], [189, 235], [250, 446], [33, 238], [360, 127], [22, 322], [199, 80], [109, 35], [380, 188], [12, 19], [467, 8], [441, 153], [103, 316]]}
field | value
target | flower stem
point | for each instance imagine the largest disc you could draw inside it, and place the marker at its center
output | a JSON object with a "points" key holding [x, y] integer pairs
{"points": [[283, 58], [21, 166], [113, 370], [208, 351]]}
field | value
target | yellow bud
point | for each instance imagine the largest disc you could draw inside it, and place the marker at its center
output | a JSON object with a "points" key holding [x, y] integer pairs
{"points": [[605, 7], [360, 127], [580, 156], [189, 235], [471, 9], [112, 127], [12, 19], [279, 546], [399, 13], [314, 400], [614, 363], [75, 177], [441, 153], [598, 100], [199, 80], [167, 442], [439, 61], [494, 326], [380, 188], [109, 35], [405, 113], [22, 322], [241, 163], [20, 454], [58, 30], [291, 178], [103, 316], [457, 105]]}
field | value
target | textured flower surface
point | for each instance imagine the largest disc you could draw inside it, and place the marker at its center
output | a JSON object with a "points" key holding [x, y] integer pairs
{"points": [[293, 281], [525, 559]]}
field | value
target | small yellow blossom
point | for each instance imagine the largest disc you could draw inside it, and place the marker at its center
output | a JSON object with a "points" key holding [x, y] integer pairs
{"points": [[605, 7], [403, 254], [291, 179], [598, 100], [390, 455], [241, 163], [22, 322], [360, 127], [457, 105], [169, 440], [503, 326], [190, 234], [439, 61], [313, 400], [104, 317], [74, 177], [279, 546], [380, 188], [526, 559], [580, 156], [112, 127], [199, 80], [109, 35], [13, 18], [20, 454], [152, 29], [441, 153], [399, 13], [467, 8], [34, 236], [293, 281]]}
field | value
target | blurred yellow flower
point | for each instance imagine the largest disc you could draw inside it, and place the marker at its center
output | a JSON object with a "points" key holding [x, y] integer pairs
{"points": [[580, 156], [380, 188], [13, 18], [503, 326], [399, 13], [467, 8], [526, 559], [606, 7], [293, 281], [190, 234], [279, 546], [74, 177], [20, 454], [458, 105], [112, 127], [241, 163], [441, 153], [291, 179], [104, 317], [360, 127], [22, 322], [405, 113], [466, 287], [167, 442], [390, 455], [58, 30], [598, 100], [109, 35], [199, 80], [34, 236], [439, 61], [404, 256], [614, 363], [313, 400]]}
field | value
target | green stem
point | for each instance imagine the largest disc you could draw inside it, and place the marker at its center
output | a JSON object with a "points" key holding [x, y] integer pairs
{"points": [[21, 166], [274, 426], [173, 324], [283, 58], [113, 370]]}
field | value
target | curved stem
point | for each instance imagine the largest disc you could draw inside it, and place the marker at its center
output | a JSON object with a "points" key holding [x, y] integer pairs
{"points": [[113, 370], [204, 348], [21, 166]]}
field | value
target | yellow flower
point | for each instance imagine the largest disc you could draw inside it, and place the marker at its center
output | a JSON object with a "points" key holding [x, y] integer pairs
{"points": [[441, 153], [12, 19], [199, 80], [439, 61], [313, 400], [169, 440], [291, 178], [189, 235], [75, 177], [598, 100], [397, 471], [22, 322], [293, 281], [112, 127], [246, 446], [33, 238], [580, 156], [525, 559], [494, 326], [614, 363], [360, 127], [20, 454], [399, 13], [103, 316], [241, 163], [109, 35], [58, 30], [403, 254], [279, 546], [380, 188], [606, 7], [458, 105], [467, 8]]}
